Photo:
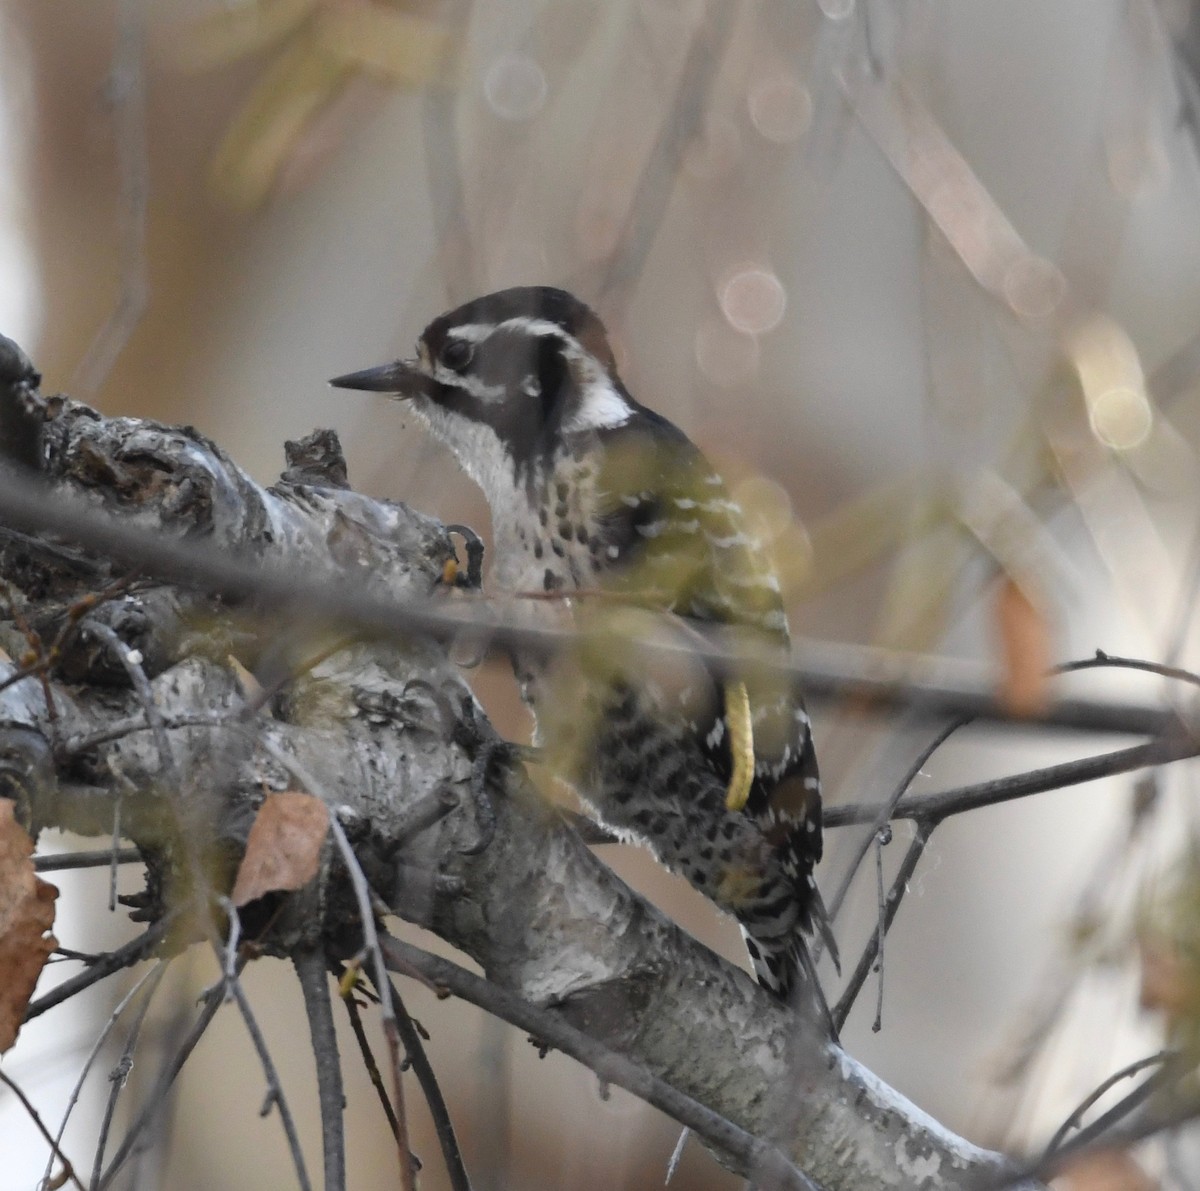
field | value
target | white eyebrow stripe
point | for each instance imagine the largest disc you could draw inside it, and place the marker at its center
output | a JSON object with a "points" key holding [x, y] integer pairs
{"points": [[478, 332], [473, 384], [471, 332], [538, 326]]}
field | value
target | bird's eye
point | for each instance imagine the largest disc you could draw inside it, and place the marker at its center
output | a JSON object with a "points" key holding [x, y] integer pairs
{"points": [[456, 354]]}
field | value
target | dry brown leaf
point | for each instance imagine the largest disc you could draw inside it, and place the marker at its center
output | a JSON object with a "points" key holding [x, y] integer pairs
{"points": [[284, 849], [26, 916], [1107, 1170], [1167, 985], [1024, 651]]}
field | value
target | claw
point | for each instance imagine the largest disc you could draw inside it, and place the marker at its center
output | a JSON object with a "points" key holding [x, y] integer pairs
{"points": [[473, 544]]}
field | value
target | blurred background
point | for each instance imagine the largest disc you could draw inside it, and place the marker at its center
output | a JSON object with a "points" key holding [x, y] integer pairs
{"points": [[922, 275]]}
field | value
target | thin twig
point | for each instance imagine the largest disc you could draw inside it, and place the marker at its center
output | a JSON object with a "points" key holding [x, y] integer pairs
{"points": [[908, 866], [74, 745], [1102, 1128], [113, 864], [770, 1165], [274, 1094], [362, 895], [421, 815], [32, 506], [423, 1070], [131, 662], [387, 1010], [1104, 660], [68, 1169], [887, 811], [369, 1062], [113, 961], [677, 1155], [314, 984], [660, 173], [127, 92], [158, 1094], [155, 975], [1076, 1117], [1101, 1135], [120, 1073], [881, 924], [1035, 781], [100, 858]]}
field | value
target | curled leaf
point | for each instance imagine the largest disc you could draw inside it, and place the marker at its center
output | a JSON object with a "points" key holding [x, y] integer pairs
{"points": [[283, 851], [26, 917]]}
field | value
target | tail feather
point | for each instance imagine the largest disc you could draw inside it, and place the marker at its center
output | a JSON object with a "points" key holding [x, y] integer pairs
{"points": [[820, 919], [785, 968]]}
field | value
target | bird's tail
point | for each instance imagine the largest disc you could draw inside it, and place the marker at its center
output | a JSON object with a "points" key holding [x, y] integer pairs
{"points": [[784, 966]]}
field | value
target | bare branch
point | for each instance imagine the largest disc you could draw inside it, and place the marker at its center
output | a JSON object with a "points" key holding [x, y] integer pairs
{"points": [[369, 1062], [765, 1161], [423, 1070], [113, 961], [314, 983], [1021, 785], [132, 663], [1108, 660], [887, 810], [158, 1094], [908, 866], [120, 1071], [274, 1094], [68, 1169], [152, 978], [366, 912], [97, 859], [1075, 1119], [29, 506]]}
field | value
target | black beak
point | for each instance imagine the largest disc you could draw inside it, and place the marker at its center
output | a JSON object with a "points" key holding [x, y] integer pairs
{"points": [[400, 379]]}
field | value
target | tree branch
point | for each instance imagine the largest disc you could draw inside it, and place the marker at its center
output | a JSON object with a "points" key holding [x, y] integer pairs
{"points": [[310, 967], [378, 729], [1021, 785]]}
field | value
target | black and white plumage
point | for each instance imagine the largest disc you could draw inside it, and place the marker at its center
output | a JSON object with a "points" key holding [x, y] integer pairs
{"points": [[592, 493]]}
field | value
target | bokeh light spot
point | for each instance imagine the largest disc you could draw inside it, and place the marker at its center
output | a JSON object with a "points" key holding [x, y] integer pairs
{"points": [[753, 300], [515, 87], [780, 108], [1121, 418]]}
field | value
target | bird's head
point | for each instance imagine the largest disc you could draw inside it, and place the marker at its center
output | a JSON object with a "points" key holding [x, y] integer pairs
{"points": [[507, 379]]}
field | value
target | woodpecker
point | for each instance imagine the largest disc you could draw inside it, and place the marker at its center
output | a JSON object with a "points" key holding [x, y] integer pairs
{"points": [[594, 495]]}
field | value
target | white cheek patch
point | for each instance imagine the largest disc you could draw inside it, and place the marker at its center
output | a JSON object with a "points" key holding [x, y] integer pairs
{"points": [[475, 444], [601, 407]]}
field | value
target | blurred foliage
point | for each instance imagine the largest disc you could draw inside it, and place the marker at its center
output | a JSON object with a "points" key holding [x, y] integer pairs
{"points": [[317, 48]]}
